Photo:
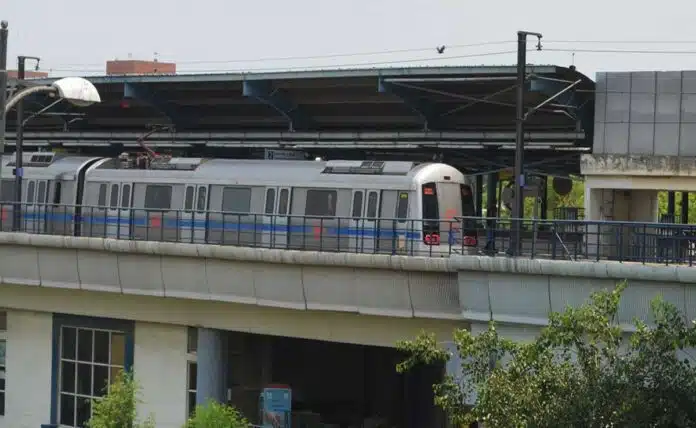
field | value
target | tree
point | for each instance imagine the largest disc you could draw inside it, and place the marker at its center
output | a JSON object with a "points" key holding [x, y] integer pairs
{"points": [[581, 371], [118, 408]]}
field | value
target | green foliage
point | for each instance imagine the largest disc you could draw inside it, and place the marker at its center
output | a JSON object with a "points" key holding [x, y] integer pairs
{"points": [[118, 408], [216, 415], [579, 372]]}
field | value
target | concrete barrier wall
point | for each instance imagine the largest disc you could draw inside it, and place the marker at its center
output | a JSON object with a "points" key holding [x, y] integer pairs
{"points": [[377, 285], [473, 288]]}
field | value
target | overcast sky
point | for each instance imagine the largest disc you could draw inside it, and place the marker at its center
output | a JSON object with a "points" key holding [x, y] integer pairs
{"points": [[76, 37]]}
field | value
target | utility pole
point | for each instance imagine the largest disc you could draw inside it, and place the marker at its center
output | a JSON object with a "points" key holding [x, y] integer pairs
{"points": [[518, 206], [19, 145], [3, 90]]}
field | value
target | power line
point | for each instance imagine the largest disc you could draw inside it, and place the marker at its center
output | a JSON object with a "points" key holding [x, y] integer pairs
{"points": [[321, 67], [625, 42], [87, 67], [324, 56], [624, 51]]}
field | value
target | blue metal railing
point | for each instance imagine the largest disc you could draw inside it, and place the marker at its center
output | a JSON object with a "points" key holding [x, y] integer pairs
{"points": [[664, 243]]}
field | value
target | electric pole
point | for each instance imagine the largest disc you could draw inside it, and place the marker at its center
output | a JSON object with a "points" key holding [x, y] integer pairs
{"points": [[3, 89], [19, 144], [518, 205]]}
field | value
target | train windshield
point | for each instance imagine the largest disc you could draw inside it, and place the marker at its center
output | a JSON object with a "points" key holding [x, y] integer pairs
{"points": [[442, 207]]}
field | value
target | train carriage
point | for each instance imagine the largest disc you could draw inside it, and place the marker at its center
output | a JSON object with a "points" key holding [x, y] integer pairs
{"points": [[51, 192], [354, 206]]}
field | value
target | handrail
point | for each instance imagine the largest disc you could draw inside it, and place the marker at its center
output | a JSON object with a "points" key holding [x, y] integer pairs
{"points": [[644, 242]]}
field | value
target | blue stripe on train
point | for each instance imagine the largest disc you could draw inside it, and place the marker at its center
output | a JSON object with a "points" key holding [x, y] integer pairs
{"points": [[216, 225]]}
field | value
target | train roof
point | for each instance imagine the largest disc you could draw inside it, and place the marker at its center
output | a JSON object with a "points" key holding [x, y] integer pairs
{"points": [[248, 171], [45, 164]]}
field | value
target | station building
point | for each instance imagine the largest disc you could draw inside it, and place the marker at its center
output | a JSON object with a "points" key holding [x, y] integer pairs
{"points": [[59, 346]]}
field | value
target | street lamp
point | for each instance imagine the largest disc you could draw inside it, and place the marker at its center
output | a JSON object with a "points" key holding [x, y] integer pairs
{"points": [[76, 90]]}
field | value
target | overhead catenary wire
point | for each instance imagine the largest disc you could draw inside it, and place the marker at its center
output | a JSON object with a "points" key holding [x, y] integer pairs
{"points": [[547, 47], [321, 67], [321, 56], [400, 51]]}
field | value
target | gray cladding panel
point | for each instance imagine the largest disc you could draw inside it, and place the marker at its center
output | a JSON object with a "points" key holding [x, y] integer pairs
{"points": [[645, 113]]}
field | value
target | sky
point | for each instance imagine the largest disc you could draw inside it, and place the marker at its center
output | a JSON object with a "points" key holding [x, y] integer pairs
{"points": [[77, 37]]}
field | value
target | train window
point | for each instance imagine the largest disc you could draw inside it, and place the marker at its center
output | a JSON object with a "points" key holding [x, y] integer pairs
{"points": [[321, 203], [202, 199], [283, 202], [31, 187], [402, 206], [8, 190], [468, 206], [56, 193], [188, 199], [431, 212], [236, 199], [41, 194], [125, 196], [431, 209], [357, 204], [270, 201], [158, 197], [372, 199], [113, 200], [101, 200]]}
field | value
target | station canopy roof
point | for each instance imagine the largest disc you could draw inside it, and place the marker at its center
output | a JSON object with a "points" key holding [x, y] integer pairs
{"points": [[422, 109]]}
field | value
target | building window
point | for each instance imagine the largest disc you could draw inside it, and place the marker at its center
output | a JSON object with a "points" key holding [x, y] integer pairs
{"points": [[90, 354], [191, 370], [3, 342]]}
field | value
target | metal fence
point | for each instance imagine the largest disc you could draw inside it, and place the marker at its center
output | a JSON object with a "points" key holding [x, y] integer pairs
{"points": [[550, 239]]}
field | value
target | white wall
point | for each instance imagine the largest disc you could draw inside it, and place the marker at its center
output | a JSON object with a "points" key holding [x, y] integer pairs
{"points": [[160, 368], [28, 360]]}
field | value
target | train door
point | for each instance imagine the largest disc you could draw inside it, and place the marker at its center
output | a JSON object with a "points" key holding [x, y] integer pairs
{"points": [[450, 210], [33, 212], [27, 210], [368, 224], [275, 219], [118, 213], [193, 219], [357, 214]]}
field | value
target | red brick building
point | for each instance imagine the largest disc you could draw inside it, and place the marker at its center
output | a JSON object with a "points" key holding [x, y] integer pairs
{"points": [[119, 67]]}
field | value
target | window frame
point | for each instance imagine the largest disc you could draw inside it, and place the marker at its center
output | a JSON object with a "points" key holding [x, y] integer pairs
{"points": [[87, 323], [191, 367], [3, 364]]}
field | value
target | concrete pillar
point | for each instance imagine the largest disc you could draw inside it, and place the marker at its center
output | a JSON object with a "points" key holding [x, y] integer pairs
{"points": [[211, 367], [479, 195], [491, 191], [671, 204]]}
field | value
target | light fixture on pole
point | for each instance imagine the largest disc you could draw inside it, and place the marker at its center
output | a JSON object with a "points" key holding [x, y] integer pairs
{"points": [[76, 90]]}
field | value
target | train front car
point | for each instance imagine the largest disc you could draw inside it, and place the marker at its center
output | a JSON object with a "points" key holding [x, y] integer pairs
{"points": [[51, 193], [445, 199]]}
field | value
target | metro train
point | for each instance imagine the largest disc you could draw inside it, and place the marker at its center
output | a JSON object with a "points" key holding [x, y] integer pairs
{"points": [[353, 206]]}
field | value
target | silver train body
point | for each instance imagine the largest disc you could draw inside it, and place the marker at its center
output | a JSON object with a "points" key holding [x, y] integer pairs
{"points": [[352, 206]]}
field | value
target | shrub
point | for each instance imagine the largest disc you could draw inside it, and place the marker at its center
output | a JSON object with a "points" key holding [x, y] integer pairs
{"points": [[216, 415], [118, 408]]}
